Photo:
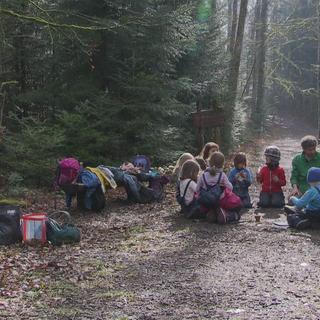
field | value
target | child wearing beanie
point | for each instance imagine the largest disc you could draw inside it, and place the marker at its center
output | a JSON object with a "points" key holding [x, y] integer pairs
{"points": [[272, 178], [306, 210]]}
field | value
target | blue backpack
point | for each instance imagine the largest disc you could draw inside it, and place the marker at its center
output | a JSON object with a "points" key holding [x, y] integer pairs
{"points": [[210, 196]]}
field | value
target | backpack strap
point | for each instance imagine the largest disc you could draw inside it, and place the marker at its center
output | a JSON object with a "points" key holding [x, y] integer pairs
{"points": [[186, 189], [205, 180], [220, 176], [317, 190], [206, 183], [78, 175]]}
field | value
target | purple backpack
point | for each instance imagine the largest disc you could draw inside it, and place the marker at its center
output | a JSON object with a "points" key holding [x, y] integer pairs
{"points": [[142, 162]]}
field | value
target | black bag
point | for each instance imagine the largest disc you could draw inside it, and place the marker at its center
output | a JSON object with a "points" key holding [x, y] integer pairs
{"points": [[10, 231]]}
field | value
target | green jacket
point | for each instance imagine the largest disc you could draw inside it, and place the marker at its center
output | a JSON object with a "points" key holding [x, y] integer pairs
{"points": [[300, 167]]}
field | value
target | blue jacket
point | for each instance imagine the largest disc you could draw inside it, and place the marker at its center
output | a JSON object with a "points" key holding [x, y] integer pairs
{"points": [[310, 200], [240, 187], [92, 182]]}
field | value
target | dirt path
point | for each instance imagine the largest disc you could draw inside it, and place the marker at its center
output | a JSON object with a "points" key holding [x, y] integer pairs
{"points": [[147, 262]]}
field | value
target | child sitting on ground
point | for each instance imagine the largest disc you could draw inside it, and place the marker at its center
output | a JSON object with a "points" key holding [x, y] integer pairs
{"points": [[241, 178], [272, 178], [186, 189], [306, 210], [208, 150], [177, 169], [214, 176]]}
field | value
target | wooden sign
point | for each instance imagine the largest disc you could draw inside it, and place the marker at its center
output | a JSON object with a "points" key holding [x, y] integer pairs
{"points": [[207, 119]]}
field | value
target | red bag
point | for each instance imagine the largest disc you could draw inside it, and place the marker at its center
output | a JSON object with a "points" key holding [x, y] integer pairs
{"points": [[230, 200]]}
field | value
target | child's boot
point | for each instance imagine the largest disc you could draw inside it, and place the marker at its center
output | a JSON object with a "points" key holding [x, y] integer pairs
{"points": [[290, 210]]}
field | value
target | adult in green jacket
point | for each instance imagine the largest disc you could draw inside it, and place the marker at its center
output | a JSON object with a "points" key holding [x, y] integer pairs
{"points": [[302, 162]]}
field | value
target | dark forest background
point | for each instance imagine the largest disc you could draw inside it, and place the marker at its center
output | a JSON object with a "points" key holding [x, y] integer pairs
{"points": [[105, 80]]}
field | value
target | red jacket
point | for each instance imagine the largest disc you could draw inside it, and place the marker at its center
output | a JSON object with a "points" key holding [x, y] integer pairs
{"points": [[266, 179]]}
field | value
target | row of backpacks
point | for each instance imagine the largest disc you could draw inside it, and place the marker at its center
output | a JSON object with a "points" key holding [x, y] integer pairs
{"points": [[90, 184]]}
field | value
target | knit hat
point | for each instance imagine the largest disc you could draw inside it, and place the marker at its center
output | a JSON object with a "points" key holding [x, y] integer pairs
{"points": [[313, 175], [273, 152]]}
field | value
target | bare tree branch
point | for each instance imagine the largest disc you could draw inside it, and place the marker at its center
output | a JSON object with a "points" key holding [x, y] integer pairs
{"points": [[55, 24]]}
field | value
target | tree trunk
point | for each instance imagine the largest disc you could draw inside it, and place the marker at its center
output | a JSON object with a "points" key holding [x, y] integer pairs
{"points": [[214, 6], [260, 59], [253, 36], [20, 52], [229, 20], [233, 29], [236, 55]]}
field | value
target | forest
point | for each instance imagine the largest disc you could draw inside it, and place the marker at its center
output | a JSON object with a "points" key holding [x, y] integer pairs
{"points": [[105, 80], [158, 159]]}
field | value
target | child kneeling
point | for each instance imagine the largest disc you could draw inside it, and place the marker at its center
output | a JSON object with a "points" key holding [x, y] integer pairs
{"points": [[306, 210], [272, 178], [210, 187]]}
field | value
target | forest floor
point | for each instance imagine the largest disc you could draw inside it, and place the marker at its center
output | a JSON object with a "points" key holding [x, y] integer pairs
{"points": [[147, 262]]}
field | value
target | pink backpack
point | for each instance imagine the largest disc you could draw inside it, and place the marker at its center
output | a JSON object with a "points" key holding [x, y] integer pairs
{"points": [[68, 171], [230, 200]]}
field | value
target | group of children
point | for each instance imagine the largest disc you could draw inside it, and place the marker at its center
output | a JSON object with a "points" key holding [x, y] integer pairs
{"points": [[204, 190], [198, 177]]}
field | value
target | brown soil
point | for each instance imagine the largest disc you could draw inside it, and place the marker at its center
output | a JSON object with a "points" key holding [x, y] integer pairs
{"points": [[147, 262]]}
